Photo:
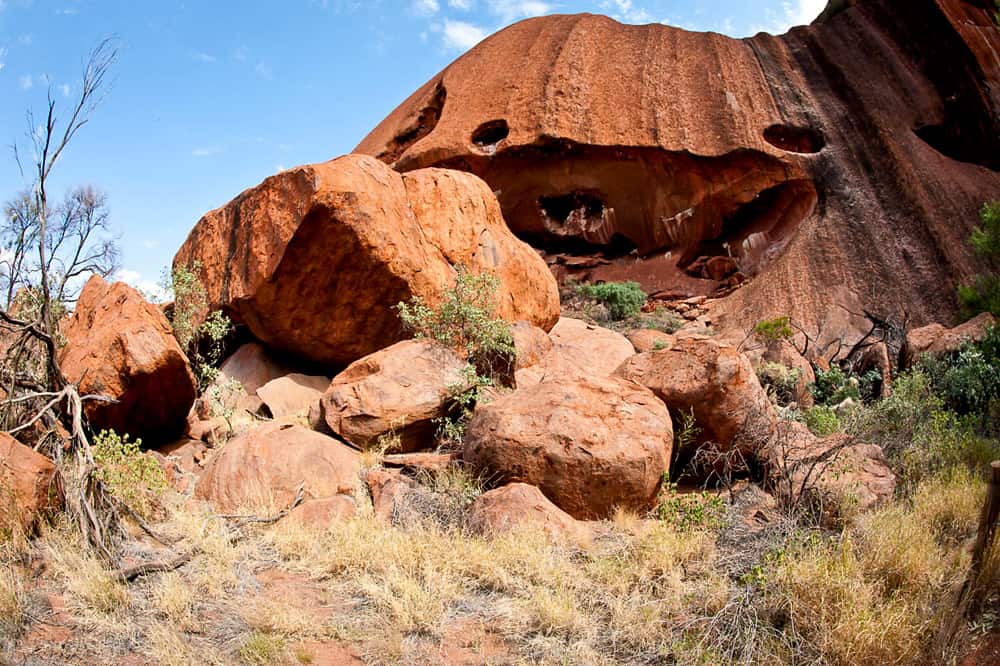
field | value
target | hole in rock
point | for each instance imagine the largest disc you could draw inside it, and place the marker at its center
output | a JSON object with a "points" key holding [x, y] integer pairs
{"points": [[950, 140], [794, 139], [617, 213], [419, 127], [489, 134]]}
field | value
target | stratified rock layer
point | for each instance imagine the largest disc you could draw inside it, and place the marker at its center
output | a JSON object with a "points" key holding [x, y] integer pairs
{"points": [[313, 259], [839, 164]]}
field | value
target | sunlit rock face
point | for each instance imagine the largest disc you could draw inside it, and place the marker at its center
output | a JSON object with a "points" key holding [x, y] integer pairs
{"points": [[841, 164]]}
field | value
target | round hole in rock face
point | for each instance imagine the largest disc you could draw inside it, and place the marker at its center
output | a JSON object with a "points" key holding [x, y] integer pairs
{"points": [[794, 139], [489, 134]]}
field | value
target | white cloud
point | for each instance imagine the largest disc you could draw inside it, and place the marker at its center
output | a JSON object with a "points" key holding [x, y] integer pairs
{"points": [[150, 244], [207, 151], [463, 5], [264, 70], [462, 36], [26, 82], [25, 40], [799, 12], [511, 10], [425, 7], [204, 57], [148, 288], [64, 89], [3, 51], [625, 11], [69, 11]]}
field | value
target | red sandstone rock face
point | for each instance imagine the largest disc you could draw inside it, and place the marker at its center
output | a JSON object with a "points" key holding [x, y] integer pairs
{"points": [[840, 164], [936, 339], [120, 346], [577, 349], [590, 445], [28, 483], [313, 260]]}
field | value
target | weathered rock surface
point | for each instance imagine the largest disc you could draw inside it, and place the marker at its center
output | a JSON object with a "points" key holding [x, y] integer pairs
{"points": [[29, 486], [531, 344], [936, 339], [395, 392], [578, 349], [313, 259], [320, 513], [845, 475], [293, 394], [589, 444], [854, 152], [647, 339], [519, 505], [120, 346], [252, 366], [264, 468], [715, 382]]}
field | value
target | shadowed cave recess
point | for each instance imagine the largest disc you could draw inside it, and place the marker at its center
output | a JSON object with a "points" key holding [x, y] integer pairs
{"points": [[679, 224]]}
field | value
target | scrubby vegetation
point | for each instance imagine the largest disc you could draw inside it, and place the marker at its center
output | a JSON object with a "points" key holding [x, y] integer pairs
{"points": [[623, 299], [983, 294], [466, 320]]}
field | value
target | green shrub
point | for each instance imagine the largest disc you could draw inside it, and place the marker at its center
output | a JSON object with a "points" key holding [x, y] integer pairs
{"points": [[780, 381], [983, 295], [968, 381], [690, 511], [130, 475], [833, 386], [465, 321], [773, 330], [821, 420], [624, 299], [204, 342]]}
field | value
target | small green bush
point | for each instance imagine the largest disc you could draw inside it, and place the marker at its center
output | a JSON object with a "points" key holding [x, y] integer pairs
{"points": [[128, 474], [833, 386], [466, 321], [690, 511], [821, 420], [780, 381], [968, 381], [983, 295], [773, 330], [624, 299]]}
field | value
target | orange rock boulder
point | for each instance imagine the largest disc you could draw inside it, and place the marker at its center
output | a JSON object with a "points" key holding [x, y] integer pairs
{"points": [[394, 394], [936, 339], [29, 487], [120, 346], [263, 468], [313, 259], [519, 505], [590, 445], [713, 381]]}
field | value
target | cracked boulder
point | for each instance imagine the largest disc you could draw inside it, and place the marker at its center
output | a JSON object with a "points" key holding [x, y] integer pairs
{"points": [[120, 346], [313, 259]]}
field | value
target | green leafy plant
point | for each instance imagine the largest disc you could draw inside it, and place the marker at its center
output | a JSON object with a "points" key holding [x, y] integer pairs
{"points": [[983, 294], [466, 320], [624, 299], [967, 381], [780, 381], [690, 511], [203, 340], [130, 475], [821, 420], [770, 331]]}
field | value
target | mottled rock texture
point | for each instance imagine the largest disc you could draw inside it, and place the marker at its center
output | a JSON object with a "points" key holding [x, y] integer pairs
{"points": [[120, 346], [313, 259], [840, 164]]}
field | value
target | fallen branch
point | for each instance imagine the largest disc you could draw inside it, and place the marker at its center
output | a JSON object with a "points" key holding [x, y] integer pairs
{"points": [[247, 520], [129, 574]]}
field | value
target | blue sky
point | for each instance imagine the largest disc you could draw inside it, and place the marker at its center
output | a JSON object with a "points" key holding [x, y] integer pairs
{"points": [[210, 97]]}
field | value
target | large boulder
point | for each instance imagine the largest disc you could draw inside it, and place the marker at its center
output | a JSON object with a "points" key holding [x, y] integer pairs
{"points": [[120, 346], [713, 381], [394, 393], [936, 339], [263, 468], [589, 444], [29, 485], [313, 259], [599, 136], [518, 506], [578, 349], [292, 395]]}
